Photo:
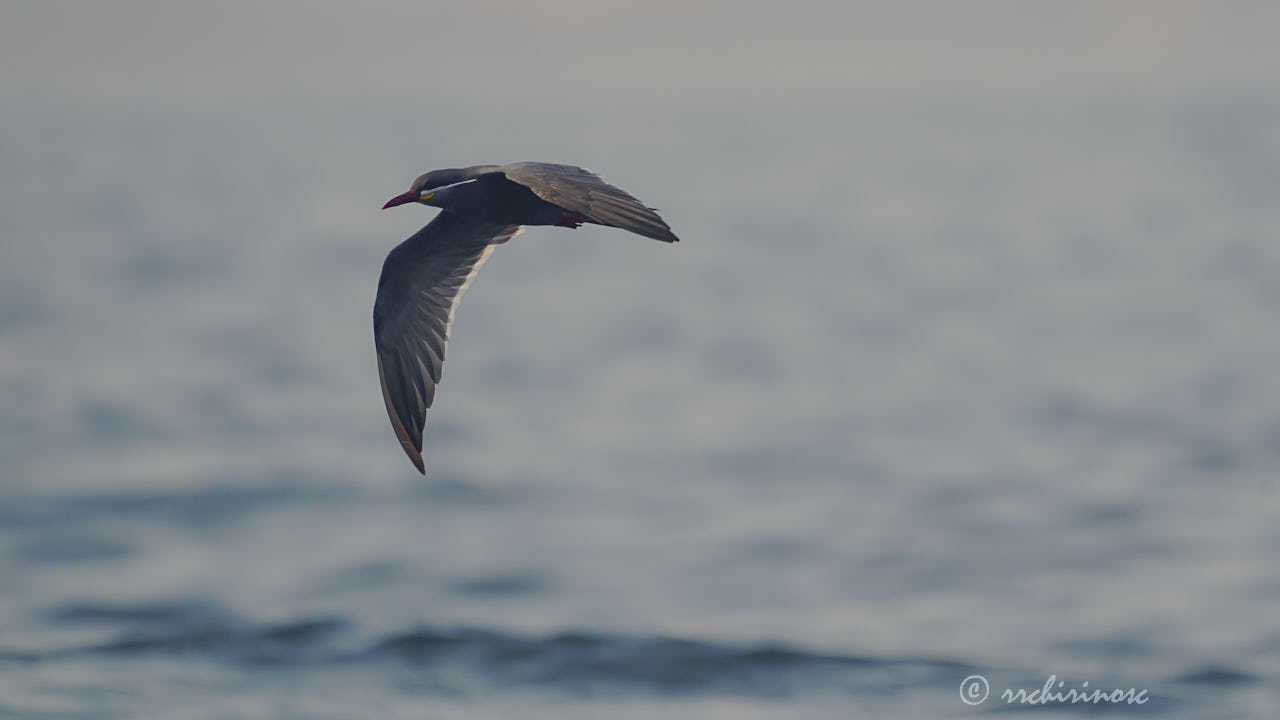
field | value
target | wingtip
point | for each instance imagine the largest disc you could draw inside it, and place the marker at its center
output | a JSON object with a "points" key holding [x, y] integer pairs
{"points": [[406, 442], [415, 456], [662, 233]]}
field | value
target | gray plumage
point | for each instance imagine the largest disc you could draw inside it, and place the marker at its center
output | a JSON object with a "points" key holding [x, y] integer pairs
{"points": [[424, 276]]}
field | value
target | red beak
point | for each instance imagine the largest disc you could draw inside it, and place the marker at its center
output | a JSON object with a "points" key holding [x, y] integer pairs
{"points": [[411, 196]]}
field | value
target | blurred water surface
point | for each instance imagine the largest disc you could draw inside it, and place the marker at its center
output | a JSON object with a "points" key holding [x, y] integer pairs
{"points": [[966, 365]]}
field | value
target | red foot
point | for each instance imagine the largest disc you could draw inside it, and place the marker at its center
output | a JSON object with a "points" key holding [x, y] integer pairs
{"points": [[569, 219]]}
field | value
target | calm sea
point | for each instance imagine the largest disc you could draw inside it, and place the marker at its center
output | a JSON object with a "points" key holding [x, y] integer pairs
{"points": [[930, 389]]}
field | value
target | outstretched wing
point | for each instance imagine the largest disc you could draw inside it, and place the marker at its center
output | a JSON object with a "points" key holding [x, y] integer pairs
{"points": [[422, 280], [583, 192]]}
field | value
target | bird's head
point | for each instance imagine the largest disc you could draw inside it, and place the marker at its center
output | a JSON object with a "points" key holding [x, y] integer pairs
{"points": [[434, 188]]}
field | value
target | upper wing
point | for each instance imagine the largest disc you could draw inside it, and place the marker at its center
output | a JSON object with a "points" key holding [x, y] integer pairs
{"points": [[583, 192], [422, 279]]}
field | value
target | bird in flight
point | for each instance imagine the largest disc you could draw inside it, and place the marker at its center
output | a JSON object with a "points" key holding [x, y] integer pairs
{"points": [[423, 277]]}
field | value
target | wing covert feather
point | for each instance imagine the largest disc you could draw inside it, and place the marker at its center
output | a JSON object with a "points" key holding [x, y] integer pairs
{"points": [[585, 193]]}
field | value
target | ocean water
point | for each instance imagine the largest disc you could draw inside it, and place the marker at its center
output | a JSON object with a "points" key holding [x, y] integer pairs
{"points": [[934, 387]]}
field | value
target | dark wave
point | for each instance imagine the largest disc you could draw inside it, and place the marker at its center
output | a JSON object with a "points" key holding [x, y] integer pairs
{"points": [[478, 659], [468, 660], [586, 662], [201, 630], [1218, 675]]}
